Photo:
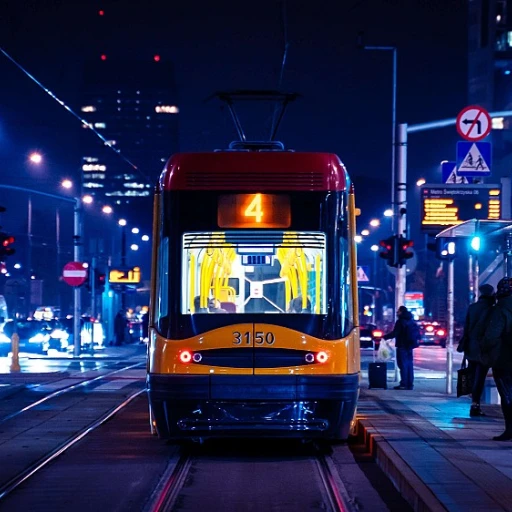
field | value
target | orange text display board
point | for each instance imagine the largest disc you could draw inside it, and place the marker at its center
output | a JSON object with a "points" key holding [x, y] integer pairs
{"points": [[254, 211]]}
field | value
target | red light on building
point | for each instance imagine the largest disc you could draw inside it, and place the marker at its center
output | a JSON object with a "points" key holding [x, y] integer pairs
{"points": [[103, 57], [156, 58], [101, 13]]}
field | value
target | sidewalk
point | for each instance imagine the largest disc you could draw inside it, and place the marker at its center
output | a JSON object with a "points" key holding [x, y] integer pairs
{"points": [[435, 454]]}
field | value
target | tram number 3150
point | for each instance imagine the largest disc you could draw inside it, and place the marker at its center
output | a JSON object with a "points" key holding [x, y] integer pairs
{"points": [[260, 338]]}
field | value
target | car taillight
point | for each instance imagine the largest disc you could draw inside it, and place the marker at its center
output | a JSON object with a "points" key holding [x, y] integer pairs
{"points": [[441, 332], [322, 357], [185, 356], [377, 334], [429, 328]]}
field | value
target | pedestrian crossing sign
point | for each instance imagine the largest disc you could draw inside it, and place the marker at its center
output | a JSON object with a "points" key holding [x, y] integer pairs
{"points": [[362, 274], [473, 159]]}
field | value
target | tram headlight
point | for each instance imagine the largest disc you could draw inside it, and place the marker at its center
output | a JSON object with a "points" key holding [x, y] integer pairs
{"points": [[322, 357]]}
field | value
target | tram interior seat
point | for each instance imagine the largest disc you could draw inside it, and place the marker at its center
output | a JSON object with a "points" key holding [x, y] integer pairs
{"points": [[230, 307]]}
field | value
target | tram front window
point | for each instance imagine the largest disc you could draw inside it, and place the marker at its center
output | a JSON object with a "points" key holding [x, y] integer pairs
{"points": [[254, 272]]}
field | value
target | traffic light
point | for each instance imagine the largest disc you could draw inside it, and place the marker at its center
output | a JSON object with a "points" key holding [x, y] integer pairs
{"points": [[389, 250], [475, 243], [5, 245], [404, 252], [100, 280]]}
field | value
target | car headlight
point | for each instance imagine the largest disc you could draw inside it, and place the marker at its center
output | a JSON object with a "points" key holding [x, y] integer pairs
{"points": [[4, 338], [39, 338], [59, 333]]}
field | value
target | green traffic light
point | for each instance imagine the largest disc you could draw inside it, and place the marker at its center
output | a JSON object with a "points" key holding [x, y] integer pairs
{"points": [[475, 243]]}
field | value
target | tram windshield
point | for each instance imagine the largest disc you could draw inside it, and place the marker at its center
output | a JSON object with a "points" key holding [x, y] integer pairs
{"points": [[274, 272]]}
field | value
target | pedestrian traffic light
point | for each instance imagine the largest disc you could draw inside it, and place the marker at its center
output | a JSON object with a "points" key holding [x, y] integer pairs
{"points": [[404, 250], [5, 245], [389, 250], [445, 250]]}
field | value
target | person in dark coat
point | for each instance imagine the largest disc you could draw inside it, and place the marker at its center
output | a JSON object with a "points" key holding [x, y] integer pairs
{"points": [[496, 351], [477, 319], [119, 327], [404, 347]]}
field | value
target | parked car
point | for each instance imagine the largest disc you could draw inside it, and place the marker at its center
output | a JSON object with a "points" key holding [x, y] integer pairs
{"points": [[432, 333], [370, 336]]}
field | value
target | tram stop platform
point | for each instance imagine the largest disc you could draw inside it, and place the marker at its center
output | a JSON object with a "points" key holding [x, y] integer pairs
{"points": [[437, 456]]}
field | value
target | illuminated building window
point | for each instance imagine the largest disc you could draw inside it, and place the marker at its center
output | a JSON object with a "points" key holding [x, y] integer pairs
{"points": [[94, 167], [96, 176], [118, 92], [100, 125], [133, 185], [166, 109], [509, 38], [92, 184], [89, 108], [90, 159]]}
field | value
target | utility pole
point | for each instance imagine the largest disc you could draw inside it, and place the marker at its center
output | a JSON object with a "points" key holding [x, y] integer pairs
{"points": [[401, 207], [449, 348], [77, 256]]}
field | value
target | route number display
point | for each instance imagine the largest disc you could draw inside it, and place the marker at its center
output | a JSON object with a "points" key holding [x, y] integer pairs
{"points": [[254, 211]]}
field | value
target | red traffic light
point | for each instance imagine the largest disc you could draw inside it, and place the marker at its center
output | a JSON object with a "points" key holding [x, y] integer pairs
{"points": [[7, 241]]}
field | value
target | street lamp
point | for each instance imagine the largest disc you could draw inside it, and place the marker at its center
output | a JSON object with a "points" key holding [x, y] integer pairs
{"points": [[87, 199], [365, 232], [375, 223], [67, 183], [35, 158], [107, 209], [122, 222], [358, 239], [421, 182], [145, 238], [393, 115], [388, 213], [135, 231], [134, 247]]}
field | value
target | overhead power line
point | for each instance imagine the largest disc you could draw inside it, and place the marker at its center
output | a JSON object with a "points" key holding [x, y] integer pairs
{"points": [[77, 116]]}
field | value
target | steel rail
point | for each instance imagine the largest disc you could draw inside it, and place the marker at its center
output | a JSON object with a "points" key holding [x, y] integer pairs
{"points": [[171, 483], [22, 477], [339, 498], [66, 390]]}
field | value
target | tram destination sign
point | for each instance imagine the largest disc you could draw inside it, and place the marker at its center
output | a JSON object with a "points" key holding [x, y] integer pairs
{"points": [[448, 205]]}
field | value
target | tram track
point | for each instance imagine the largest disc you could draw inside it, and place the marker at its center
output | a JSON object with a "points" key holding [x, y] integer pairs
{"points": [[166, 495], [67, 389], [13, 484]]}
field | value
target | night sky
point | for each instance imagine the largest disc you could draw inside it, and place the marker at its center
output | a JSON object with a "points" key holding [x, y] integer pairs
{"points": [[345, 106]]}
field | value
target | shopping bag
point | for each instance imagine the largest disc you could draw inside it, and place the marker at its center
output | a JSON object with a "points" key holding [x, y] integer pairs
{"points": [[464, 380], [385, 352]]}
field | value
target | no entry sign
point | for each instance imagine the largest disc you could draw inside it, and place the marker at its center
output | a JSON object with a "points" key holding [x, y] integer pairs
{"points": [[474, 123], [74, 273]]}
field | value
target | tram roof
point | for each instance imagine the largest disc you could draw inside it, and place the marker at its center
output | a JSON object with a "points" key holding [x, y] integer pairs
{"points": [[248, 170], [472, 227]]}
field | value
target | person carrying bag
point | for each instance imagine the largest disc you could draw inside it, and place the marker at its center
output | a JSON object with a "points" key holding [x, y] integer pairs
{"points": [[407, 334]]}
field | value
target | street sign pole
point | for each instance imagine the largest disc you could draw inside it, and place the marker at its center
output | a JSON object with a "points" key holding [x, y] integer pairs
{"points": [[449, 348], [77, 256]]}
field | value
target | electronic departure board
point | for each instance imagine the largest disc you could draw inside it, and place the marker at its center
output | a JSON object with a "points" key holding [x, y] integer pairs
{"points": [[447, 205]]}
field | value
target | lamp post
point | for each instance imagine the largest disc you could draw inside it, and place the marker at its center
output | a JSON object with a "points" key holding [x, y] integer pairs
{"points": [[122, 223], [77, 250], [393, 120], [375, 250]]}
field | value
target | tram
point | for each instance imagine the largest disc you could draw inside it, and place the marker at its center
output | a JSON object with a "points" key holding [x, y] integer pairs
{"points": [[254, 313]]}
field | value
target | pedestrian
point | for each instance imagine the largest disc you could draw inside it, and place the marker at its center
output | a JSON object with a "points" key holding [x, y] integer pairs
{"points": [[406, 333], [477, 319], [496, 350], [119, 327]]}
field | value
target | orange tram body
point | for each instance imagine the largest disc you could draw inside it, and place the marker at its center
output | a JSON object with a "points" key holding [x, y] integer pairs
{"points": [[254, 328]]}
